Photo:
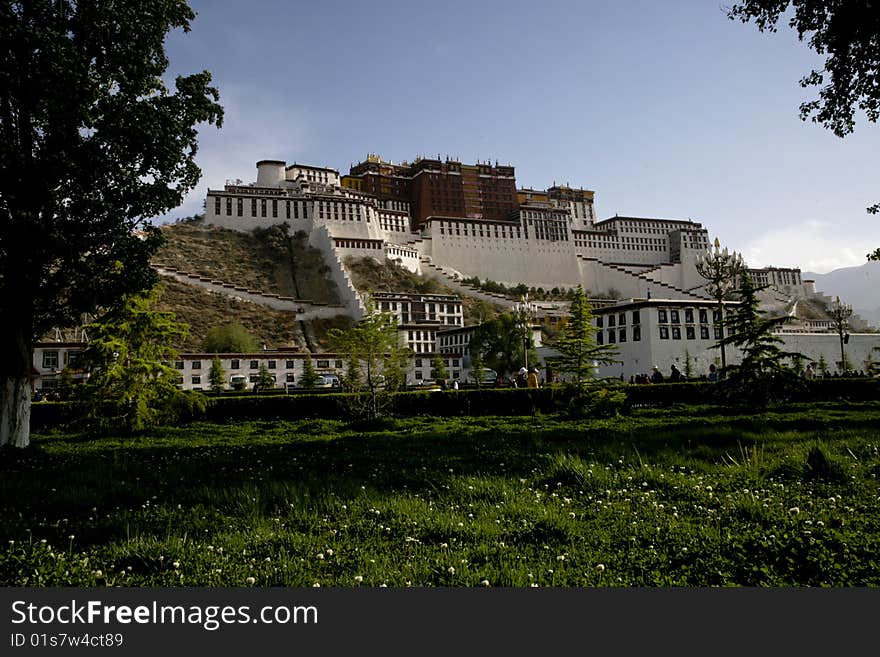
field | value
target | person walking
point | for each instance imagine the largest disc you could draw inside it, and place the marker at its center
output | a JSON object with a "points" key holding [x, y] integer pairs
{"points": [[656, 377], [532, 378], [675, 374], [713, 374], [809, 373]]}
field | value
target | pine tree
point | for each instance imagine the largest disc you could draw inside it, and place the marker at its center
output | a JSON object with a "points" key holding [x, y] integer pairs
{"points": [[477, 369], [578, 349], [309, 377], [265, 380], [762, 376], [217, 375], [131, 387], [438, 369]]}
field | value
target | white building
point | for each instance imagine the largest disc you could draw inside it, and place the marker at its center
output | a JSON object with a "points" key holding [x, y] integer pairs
{"points": [[663, 332]]}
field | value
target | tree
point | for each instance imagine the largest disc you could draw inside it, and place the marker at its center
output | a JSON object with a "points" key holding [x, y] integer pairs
{"points": [[265, 380], [309, 377], [369, 346], [229, 338], [92, 144], [579, 352], [762, 375], [721, 270], [438, 369], [499, 344], [840, 314], [131, 387], [217, 375], [688, 365], [477, 368], [848, 34]]}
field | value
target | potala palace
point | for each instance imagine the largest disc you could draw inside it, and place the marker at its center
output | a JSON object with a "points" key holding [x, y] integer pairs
{"points": [[452, 221]]}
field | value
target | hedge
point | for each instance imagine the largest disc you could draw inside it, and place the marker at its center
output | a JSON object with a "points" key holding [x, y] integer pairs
{"points": [[487, 401]]}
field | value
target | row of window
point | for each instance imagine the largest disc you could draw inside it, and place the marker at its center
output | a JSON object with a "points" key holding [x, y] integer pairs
{"points": [[691, 332], [51, 359], [674, 316], [619, 319], [235, 364], [618, 335], [293, 209]]}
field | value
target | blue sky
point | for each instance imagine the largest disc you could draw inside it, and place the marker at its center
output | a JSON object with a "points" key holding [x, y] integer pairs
{"points": [[664, 109]]}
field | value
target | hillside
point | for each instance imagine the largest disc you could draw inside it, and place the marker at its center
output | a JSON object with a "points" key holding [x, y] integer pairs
{"points": [[264, 260], [367, 275], [203, 310], [859, 286]]}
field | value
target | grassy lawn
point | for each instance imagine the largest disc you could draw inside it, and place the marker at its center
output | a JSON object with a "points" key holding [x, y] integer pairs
{"points": [[678, 497]]}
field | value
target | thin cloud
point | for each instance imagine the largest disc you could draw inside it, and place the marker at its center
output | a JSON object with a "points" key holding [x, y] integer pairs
{"points": [[814, 246]]}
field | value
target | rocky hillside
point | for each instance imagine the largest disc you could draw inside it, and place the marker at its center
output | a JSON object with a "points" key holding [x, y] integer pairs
{"points": [[264, 260]]}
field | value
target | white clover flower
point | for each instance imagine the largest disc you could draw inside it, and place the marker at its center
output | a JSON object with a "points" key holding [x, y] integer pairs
{"points": [[320, 555], [485, 582], [600, 567], [176, 564], [250, 581], [329, 552], [560, 557], [451, 570], [316, 585], [444, 545], [794, 510], [98, 574], [359, 578]]}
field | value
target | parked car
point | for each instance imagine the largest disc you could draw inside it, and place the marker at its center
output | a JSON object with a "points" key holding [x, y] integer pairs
{"points": [[488, 377]]}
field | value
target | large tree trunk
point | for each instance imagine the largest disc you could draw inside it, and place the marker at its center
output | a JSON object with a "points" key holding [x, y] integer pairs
{"points": [[15, 411], [15, 382]]}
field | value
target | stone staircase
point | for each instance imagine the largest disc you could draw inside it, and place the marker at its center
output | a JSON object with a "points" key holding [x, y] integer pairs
{"points": [[664, 288], [431, 270]]}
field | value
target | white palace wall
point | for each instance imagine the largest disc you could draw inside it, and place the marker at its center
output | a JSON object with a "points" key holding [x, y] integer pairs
{"points": [[507, 260]]}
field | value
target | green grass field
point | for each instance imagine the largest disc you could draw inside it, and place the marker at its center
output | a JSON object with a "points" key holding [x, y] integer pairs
{"points": [[677, 497]]}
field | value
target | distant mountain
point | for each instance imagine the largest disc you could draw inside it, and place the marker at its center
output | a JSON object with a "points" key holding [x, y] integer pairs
{"points": [[859, 286]]}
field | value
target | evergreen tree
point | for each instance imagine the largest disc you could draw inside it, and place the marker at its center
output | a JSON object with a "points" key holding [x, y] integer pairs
{"points": [[265, 380], [438, 369], [309, 377], [578, 349], [131, 386], [217, 375], [352, 379], [762, 376], [477, 369]]}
